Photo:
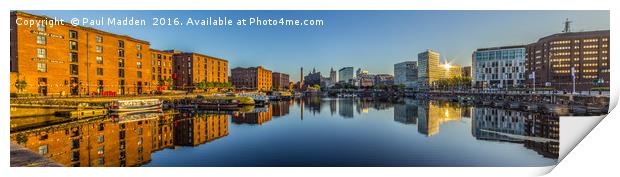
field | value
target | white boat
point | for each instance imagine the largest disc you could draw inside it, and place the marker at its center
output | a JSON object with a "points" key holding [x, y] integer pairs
{"points": [[258, 98], [135, 105]]}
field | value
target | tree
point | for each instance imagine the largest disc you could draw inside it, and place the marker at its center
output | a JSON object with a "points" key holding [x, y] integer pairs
{"points": [[170, 82], [20, 84]]}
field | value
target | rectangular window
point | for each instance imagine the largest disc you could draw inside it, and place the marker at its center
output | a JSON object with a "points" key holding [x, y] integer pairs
{"points": [[100, 71], [73, 45], [100, 150], [99, 39], [73, 34], [75, 144], [100, 139], [73, 69], [121, 53], [121, 44], [121, 73], [139, 47], [99, 49], [139, 55], [73, 57], [42, 66], [101, 161], [41, 53], [121, 62], [139, 74], [43, 149], [41, 27], [139, 64], [99, 60], [41, 39]]}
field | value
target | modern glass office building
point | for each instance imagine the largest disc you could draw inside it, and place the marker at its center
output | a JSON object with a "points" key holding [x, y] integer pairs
{"points": [[499, 67], [406, 73], [346, 74]]}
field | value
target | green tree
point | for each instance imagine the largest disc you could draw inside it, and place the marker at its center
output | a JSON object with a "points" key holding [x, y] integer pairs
{"points": [[20, 85]]}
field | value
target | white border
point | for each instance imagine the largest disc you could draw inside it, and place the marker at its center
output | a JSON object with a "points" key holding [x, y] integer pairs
{"points": [[587, 159]]}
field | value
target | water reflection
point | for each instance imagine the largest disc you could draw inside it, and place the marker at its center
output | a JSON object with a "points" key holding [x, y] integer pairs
{"points": [[539, 132], [121, 140], [130, 140]]}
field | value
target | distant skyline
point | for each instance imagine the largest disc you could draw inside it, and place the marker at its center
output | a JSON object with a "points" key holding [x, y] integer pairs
{"points": [[372, 40]]}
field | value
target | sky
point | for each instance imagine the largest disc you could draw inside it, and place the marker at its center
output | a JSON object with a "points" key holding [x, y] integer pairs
{"points": [[371, 40]]}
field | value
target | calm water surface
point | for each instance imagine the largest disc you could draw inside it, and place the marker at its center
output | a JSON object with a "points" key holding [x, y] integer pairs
{"points": [[305, 132]]}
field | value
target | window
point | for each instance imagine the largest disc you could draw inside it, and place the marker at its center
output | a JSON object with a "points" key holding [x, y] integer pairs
{"points": [[75, 155], [99, 60], [139, 55], [73, 57], [121, 44], [73, 69], [73, 34], [41, 39], [43, 149], [121, 53], [139, 74], [41, 53], [99, 39], [121, 62], [100, 139], [75, 144], [139, 131], [139, 64], [139, 47], [73, 45], [100, 71], [100, 150], [42, 66], [101, 127], [41, 27], [99, 49], [101, 161], [121, 73]]}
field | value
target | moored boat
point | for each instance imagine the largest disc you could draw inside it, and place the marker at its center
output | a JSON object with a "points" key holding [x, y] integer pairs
{"points": [[135, 105]]}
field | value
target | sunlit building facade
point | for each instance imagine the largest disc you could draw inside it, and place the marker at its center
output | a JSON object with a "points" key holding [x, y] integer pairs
{"points": [[76, 60], [252, 78], [428, 68], [550, 60], [191, 68]]}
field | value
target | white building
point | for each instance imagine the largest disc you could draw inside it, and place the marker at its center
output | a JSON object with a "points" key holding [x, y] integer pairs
{"points": [[406, 73], [499, 67]]}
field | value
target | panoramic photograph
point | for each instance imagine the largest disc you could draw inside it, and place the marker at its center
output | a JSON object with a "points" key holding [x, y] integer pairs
{"points": [[294, 88]]}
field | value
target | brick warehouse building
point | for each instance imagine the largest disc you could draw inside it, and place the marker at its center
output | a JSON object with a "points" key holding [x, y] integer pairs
{"points": [[280, 81], [76, 60], [253, 78], [190, 68], [552, 57], [161, 62]]}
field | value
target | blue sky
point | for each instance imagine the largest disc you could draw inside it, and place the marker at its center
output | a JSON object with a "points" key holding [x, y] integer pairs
{"points": [[373, 40]]}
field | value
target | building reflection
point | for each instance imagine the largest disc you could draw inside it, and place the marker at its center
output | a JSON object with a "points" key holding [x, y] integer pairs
{"points": [[332, 106], [191, 129], [539, 132], [117, 141], [345, 108], [257, 117], [280, 108], [431, 114], [406, 113]]}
